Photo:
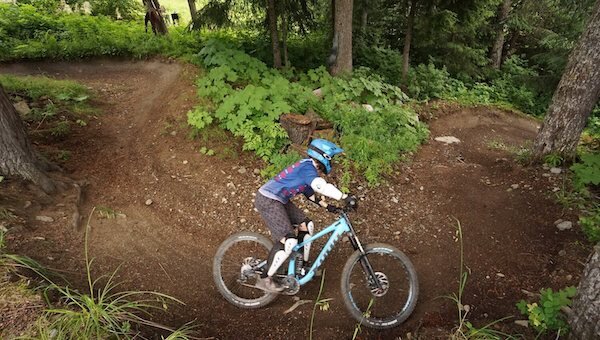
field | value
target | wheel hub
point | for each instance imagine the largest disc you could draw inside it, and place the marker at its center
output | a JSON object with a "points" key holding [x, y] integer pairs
{"points": [[383, 283]]}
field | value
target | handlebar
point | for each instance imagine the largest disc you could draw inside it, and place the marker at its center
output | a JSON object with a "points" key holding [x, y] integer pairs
{"points": [[351, 204]]}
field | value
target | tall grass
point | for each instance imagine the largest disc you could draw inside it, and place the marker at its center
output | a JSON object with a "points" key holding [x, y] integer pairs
{"points": [[465, 330], [102, 313]]}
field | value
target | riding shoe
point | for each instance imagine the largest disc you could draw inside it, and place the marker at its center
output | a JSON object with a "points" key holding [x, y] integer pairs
{"points": [[268, 285]]}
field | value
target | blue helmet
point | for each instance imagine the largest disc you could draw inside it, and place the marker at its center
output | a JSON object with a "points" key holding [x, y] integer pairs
{"points": [[323, 151]]}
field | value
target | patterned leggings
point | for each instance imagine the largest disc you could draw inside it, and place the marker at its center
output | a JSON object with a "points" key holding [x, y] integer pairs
{"points": [[280, 218]]}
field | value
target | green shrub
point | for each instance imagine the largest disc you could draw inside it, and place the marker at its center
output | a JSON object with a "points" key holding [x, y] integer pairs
{"points": [[546, 315], [587, 171], [249, 98], [590, 225]]}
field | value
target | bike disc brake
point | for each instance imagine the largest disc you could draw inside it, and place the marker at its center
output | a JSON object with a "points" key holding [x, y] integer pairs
{"points": [[383, 282]]}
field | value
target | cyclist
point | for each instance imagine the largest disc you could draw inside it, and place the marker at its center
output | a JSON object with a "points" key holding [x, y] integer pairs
{"points": [[281, 215]]}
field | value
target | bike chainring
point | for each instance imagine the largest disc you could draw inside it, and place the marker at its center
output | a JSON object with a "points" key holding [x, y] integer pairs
{"points": [[291, 284], [383, 282]]}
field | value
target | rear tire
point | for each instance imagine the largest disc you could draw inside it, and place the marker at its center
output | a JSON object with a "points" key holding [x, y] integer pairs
{"points": [[390, 307], [227, 269]]}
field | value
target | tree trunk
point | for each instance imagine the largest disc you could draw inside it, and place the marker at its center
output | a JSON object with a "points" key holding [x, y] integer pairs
{"points": [[496, 51], [155, 17], [364, 17], [342, 38], [272, 16], [17, 157], [585, 320], [193, 10], [284, 33], [575, 97], [407, 40]]}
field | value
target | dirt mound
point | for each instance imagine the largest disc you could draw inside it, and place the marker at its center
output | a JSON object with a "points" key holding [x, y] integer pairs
{"points": [[166, 208]]}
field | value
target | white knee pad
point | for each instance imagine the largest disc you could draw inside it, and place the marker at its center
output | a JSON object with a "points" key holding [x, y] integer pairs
{"points": [[282, 255]]}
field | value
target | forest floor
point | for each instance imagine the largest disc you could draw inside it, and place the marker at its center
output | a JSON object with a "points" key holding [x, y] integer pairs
{"points": [[137, 149]]}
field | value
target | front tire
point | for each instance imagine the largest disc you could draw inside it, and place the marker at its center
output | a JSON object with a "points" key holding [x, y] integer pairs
{"points": [[393, 304], [235, 283]]}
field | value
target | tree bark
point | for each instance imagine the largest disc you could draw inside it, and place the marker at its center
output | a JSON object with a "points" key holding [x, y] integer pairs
{"points": [[193, 10], [496, 51], [284, 34], [272, 16], [585, 319], [364, 17], [576, 95], [341, 59], [17, 157], [407, 40]]}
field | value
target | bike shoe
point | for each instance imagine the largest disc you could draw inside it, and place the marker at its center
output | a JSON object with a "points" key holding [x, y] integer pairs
{"points": [[268, 285]]}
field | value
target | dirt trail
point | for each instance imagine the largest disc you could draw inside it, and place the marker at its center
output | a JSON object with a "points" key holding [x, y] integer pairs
{"points": [[138, 150]]}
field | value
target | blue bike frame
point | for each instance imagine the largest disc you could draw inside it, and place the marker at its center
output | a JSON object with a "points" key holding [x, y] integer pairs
{"points": [[336, 229]]}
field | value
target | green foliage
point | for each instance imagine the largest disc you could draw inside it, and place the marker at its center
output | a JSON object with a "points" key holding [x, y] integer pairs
{"points": [[278, 162], [249, 98], [590, 225], [27, 33], [127, 9], [553, 159], [587, 171], [38, 86], [546, 315]]}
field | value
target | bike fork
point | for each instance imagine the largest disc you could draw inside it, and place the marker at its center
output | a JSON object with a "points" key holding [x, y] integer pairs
{"points": [[364, 262]]}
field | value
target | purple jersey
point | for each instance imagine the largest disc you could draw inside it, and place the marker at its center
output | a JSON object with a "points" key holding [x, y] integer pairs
{"points": [[293, 180]]}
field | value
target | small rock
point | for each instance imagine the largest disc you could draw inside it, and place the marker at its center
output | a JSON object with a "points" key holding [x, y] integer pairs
{"points": [[256, 171], [555, 189], [121, 215], [523, 323], [223, 200], [50, 258], [447, 139], [22, 108], [546, 175], [397, 232], [318, 92], [27, 204], [231, 185], [148, 202], [514, 186], [242, 220], [368, 107], [44, 218], [185, 162], [421, 188], [556, 170], [3, 228], [558, 221], [173, 133], [565, 225], [569, 277], [562, 252], [500, 275], [39, 238], [395, 200], [242, 170]]}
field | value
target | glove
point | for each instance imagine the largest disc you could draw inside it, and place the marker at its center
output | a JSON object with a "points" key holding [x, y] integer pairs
{"points": [[332, 208], [351, 202]]}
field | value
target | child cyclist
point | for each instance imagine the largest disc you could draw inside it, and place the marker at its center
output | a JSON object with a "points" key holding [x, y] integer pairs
{"points": [[281, 215]]}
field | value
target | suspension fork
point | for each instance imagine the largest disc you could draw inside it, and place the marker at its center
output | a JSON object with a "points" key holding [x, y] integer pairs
{"points": [[364, 262]]}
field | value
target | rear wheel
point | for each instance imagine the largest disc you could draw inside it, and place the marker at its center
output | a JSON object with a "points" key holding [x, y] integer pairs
{"points": [[391, 302], [236, 269]]}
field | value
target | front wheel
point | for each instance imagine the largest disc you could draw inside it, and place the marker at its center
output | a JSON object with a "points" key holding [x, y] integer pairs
{"points": [[236, 267], [383, 305]]}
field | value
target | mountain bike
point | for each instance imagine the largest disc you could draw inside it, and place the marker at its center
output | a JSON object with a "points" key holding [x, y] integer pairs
{"points": [[379, 283]]}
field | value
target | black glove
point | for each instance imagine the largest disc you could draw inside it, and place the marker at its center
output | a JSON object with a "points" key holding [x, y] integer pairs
{"points": [[351, 202], [332, 208]]}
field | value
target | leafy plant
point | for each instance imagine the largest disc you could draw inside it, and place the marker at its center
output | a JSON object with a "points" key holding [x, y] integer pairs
{"points": [[590, 225], [323, 305], [546, 315], [587, 171], [106, 212], [553, 159]]}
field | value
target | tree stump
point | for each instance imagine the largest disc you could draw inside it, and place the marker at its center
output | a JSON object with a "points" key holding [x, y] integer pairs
{"points": [[298, 127]]}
